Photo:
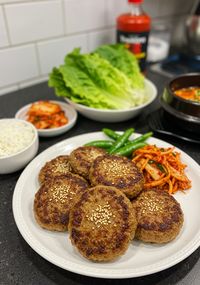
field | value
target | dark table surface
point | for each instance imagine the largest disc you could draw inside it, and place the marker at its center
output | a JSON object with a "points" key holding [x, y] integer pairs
{"points": [[19, 264]]}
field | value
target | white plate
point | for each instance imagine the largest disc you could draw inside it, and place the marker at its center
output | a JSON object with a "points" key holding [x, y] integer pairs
{"points": [[70, 113], [140, 259]]}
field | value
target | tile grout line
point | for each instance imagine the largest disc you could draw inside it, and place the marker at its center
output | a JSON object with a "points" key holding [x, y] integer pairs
{"points": [[105, 16], [23, 1], [31, 42], [6, 25], [39, 41], [86, 32], [33, 81], [63, 17], [36, 80]]}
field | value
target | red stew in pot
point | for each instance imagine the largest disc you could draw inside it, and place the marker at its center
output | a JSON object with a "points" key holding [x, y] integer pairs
{"points": [[189, 93]]}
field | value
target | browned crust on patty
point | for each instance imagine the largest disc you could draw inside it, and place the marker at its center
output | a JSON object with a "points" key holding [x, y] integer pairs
{"points": [[159, 216], [54, 200], [102, 223], [119, 172], [55, 167], [82, 158]]}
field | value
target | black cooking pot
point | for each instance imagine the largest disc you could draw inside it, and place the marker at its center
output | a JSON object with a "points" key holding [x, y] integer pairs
{"points": [[182, 112]]}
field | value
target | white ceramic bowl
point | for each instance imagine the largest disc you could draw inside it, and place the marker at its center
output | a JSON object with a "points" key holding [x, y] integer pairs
{"points": [[18, 160], [116, 115], [70, 112]]}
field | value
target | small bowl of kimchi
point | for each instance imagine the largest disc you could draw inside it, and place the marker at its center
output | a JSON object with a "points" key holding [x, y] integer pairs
{"points": [[181, 101], [51, 118]]}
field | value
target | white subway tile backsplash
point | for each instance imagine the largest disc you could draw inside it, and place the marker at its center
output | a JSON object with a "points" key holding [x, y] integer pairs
{"points": [[155, 8], [35, 20], [84, 15], [17, 64], [52, 53], [12, 1], [3, 33], [172, 7], [96, 39], [151, 7], [34, 81], [35, 35], [114, 8]]}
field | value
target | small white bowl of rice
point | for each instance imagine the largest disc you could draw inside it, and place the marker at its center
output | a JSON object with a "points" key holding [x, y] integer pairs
{"points": [[18, 144]]}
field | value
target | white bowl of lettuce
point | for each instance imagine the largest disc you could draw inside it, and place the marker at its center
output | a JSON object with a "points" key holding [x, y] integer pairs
{"points": [[105, 85], [116, 115]]}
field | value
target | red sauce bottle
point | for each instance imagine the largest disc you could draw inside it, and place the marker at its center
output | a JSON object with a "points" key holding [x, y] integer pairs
{"points": [[133, 30]]}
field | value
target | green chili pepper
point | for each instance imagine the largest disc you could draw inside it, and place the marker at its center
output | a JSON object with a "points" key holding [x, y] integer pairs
{"points": [[101, 143], [110, 133], [128, 149], [141, 138], [121, 140], [115, 136]]}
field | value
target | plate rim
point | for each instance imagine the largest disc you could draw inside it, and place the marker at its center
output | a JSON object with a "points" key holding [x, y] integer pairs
{"points": [[86, 270]]}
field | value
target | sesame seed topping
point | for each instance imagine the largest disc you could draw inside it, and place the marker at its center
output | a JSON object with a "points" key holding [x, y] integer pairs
{"points": [[60, 167], [115, 168], [101, 215], [60, 193], [150, 206]]}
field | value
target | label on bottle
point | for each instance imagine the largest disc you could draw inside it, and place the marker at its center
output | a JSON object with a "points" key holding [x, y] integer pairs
{"points": [[136, 43]]}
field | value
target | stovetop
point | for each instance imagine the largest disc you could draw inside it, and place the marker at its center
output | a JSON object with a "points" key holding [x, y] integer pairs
{"points": [[177, 64]]}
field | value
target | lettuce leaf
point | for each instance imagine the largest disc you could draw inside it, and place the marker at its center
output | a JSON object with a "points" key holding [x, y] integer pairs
{"points": [[71, 82], [56, 81], [92, 80], [104, 75], [121, 58]]}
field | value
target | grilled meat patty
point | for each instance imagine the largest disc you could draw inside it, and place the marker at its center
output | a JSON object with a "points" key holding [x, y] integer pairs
{"points": [[102, 223], [55, 167], [159, 216], [117, 171], [82, 158], [54, 200]]}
